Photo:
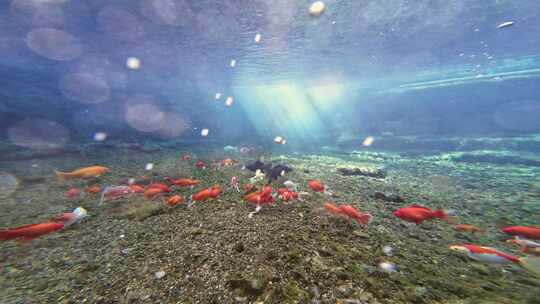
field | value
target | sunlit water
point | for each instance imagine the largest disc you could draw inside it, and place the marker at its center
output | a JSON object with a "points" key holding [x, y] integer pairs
{"points": [[379, 105]]}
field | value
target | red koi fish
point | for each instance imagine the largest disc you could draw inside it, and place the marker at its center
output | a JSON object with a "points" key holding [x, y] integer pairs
{"points": [[161, 186], [286, 195], [227, 162], [532, 233], [150, 193], [316, 185], [183, 182], [418, 214], [27, 233], [527, 246], [174, 200], [205, 194], [352, 213], [496, 257], [333, 209], [136, 188], [261, 197]]}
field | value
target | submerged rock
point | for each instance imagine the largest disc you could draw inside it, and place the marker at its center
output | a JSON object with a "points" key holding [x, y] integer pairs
{"points": [[369, 172], [243, 287], [389, 197]]}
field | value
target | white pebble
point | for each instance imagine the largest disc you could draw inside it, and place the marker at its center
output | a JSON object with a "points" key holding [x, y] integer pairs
{"points": [[149, 166], [160, 274], [204, 132], [233, 63], [257, 38], [387, 267]]}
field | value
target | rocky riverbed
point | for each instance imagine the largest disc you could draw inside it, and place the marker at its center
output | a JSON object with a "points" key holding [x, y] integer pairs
{"points": [[140, 251]]}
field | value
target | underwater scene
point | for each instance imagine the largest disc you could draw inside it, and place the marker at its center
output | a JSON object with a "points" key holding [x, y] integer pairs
{"points": [[270, 151]]}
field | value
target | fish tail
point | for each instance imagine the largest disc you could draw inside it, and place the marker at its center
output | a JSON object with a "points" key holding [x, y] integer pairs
{"points": [[442, 215], [532, 264], [6, 235], [363, 219], [62, 176]]}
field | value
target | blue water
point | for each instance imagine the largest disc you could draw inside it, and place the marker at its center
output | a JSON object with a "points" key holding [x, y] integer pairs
{"points": [[435, 78]]}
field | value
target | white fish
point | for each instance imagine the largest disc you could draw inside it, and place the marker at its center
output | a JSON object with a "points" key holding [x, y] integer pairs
{"points": [[114, 192], [505, 24]]}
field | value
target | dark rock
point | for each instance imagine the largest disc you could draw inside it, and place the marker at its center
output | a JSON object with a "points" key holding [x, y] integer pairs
{"points": [[369, 172], [389, 197], [239, 247]]}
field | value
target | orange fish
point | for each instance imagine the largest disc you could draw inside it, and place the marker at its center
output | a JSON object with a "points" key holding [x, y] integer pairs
{"points": [[174, 200], [183, 182], [352, 213], [532, 233], [153, 192], [333, 209], [207, 193], [468, 228], [286, 195], [261, 197], [93, 189], [29, 232], [161, 186], [418, 214], [84, 173], [136, 188], [215, 191], [316, 185], [227, 162]]}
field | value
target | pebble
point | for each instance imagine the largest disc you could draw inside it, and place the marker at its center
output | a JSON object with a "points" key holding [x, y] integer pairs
{"points": [[125, 251], [361, 234], [160, 274], [345, 290]]}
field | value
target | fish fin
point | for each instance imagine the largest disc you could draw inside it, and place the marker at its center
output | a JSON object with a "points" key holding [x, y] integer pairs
{"points": [[441, 214], [532, 264], [364, 219], [62, 176]]}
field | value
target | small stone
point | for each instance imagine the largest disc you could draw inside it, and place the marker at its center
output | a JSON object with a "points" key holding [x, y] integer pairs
{"points": [[160, 274], [239, 247], [345, 290], [125, 251], [325, 252], [361, 234]]}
